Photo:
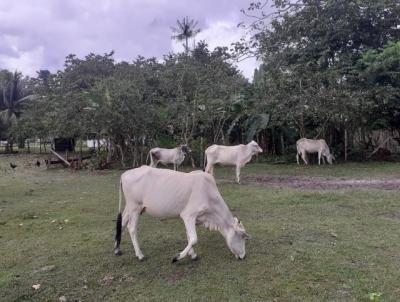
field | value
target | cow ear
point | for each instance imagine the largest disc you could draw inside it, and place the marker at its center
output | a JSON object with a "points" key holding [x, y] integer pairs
{"points": [[246, 236]]}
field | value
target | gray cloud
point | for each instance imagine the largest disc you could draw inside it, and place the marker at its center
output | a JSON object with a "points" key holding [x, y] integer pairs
{"points": [[40, 34]]}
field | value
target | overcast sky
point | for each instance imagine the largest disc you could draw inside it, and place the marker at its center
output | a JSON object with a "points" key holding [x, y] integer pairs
{"points": [[39, 34]]}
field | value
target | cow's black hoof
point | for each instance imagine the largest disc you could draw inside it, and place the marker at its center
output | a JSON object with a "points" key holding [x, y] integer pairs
{"points": [[175, 259], [118, 253]]}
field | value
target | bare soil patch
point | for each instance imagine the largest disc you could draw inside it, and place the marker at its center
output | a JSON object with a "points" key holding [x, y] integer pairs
{"points": [[392, 215], [318, 183]]}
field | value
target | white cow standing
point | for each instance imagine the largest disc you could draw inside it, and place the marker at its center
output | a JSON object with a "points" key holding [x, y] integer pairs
{"points": [[173, 156], [230, 155], [305, 145], [165, 194]]}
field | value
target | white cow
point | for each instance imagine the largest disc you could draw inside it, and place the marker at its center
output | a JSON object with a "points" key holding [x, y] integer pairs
{"points": [[230, 155], [173, 156], [192, 196], [305, 145]]}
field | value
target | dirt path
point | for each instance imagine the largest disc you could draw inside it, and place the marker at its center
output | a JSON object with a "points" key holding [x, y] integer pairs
{"points": [[319, 183]]}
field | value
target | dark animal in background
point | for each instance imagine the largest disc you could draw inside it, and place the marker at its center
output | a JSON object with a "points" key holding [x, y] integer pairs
{"points": [[13, 166], [37, 163]]}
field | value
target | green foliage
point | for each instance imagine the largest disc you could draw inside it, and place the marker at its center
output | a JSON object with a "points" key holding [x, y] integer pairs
{"points": [[327, 65], [254, 124], [136, 105]]}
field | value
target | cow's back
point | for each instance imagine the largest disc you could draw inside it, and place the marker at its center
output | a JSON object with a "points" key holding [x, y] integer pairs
{"points": [[223, 154], [308, 145], [162, 192], [311, 145]]}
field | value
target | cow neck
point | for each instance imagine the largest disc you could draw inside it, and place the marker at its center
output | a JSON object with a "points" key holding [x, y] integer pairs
{"points": [[224, 220]]}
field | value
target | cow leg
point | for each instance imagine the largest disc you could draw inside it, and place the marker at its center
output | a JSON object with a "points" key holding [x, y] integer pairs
{"points": [[154, 163], [319, 158], [297, 158], [323, 159], [132, 227], [190, 225], [238, 174], [191, 252], [210, 168], [304, 157]]}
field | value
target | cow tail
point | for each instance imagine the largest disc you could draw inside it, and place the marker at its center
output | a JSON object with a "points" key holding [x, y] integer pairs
{"points": [[204, 161], [118, 233]]}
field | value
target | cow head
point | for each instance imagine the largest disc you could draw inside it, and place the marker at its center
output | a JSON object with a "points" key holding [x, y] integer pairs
{"points": [[329, 158], [185, 149], [236, 239], [255, 148]]}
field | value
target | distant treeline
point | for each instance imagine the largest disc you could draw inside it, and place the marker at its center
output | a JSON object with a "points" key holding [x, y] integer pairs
{"points": [[331, 69]]}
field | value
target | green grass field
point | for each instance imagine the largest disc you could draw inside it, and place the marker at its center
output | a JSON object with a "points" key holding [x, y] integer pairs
{"points": [[57, 228]]}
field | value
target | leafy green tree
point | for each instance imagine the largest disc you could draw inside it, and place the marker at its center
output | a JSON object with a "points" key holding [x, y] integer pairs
{"points": [[14, 93], [309, 51]]}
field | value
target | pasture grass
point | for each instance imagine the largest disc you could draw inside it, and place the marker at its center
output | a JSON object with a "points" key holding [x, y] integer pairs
{"points": [[57, 228]]}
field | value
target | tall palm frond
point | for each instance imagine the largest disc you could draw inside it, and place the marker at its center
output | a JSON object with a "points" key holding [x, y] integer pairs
{"points": [[185, 29]]}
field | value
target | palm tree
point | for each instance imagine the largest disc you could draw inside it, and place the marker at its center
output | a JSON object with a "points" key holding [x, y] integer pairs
{"points": [[12, 95], [185, 29]]}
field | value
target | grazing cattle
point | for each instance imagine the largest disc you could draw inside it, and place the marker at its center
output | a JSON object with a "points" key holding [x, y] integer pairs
{"points": [[173, 156], [166, 194], [230, 155], [305, 145]]}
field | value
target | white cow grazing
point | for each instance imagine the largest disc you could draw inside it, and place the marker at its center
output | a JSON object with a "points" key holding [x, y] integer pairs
{"points": [[305, 145], [173, 156], [230, 155], [192, 196]]}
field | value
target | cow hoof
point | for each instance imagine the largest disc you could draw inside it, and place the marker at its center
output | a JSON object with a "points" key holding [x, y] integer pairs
{"points": [[175, 259], [118, 253], [141, 258], [196, 258]]}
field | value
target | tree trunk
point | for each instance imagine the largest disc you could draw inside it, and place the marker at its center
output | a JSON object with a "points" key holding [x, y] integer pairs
{"points": [[273, 142], [121, 152], [109, 151], [345, 144], [201, 151]]}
